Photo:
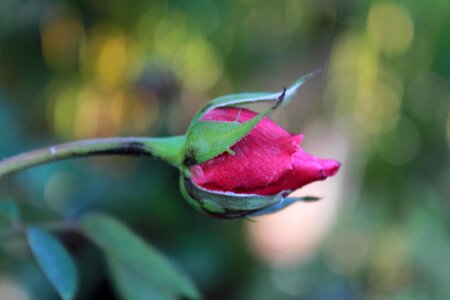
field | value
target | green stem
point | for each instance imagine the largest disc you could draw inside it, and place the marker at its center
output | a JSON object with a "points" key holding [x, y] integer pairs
{"points": [[169, 149]]}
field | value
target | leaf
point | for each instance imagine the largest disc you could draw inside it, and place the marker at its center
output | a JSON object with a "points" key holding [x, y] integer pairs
{"points": [[246, 98], [9, 210], [130, 285], [55, 261], [132, 255]]}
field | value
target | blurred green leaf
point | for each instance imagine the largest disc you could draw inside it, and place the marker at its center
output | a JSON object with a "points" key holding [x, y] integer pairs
{"points": [[132, 286], [9, 210], [130, 257], [55, 262]]}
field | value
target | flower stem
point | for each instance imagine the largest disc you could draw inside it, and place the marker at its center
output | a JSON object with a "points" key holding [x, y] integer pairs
{"points": [[169, 149]]}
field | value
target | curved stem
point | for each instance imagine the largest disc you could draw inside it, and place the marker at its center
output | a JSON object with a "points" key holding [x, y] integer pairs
{"points": [[169, 149]]}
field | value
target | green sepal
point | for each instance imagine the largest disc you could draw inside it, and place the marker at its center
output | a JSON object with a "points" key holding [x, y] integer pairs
{"points": [[247, 98], [207, 139], [285, 202], [225, 205], [169, 149]]}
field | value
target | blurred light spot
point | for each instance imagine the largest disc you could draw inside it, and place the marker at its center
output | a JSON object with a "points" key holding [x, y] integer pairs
{"points": [[110, 57], [60, 189], [400, 145], [170, 33], [61, 35], [361, 88], [347, 252], [390, 27], [199, 64], [146, 25], [112, 60], [139, 116], [377, 107], [390, 267], [87, 116], [11, 289], [293, 281], [353, 66], [429, 97], [276, 19], [63, 100]]}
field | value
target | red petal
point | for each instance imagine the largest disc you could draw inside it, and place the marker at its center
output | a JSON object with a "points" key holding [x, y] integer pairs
{"points": [[267, 161]]}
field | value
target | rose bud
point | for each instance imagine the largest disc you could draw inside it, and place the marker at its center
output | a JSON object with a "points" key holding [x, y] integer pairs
{"points": [[240, 163]]}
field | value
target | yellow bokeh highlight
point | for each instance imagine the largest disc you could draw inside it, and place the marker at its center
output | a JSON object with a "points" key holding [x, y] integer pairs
{"points": [[198, 64], [87, 114], [62, 103], [377, 107], [361, 87], [390, 267], [110, 57], [390, 28], [112, 60]]}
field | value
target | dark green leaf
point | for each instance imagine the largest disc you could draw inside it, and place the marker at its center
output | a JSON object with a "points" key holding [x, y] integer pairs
{"points": [[9, 210], [131, 255], [55, 262]]}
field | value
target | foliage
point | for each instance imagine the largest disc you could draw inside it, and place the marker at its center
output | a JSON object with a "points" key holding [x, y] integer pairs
{"points": [[84, 69]]}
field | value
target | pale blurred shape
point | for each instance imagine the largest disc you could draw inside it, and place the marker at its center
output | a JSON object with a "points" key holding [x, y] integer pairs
{"points": [[292, 282], [60, 189], [11, 289], [198, 64], [377, 107], [87, 114], [170, 32], [62, 100], [113, 59], [195, 60], [361, 89], [391, 266], [278, 20], [347, 251], [293, 235], [390, 28], [429, 97]]}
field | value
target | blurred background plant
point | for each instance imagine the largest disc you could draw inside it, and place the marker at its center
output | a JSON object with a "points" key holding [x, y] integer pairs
{"points": [[83, 69]]}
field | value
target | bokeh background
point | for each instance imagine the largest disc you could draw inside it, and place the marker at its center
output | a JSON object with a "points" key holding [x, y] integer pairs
{"points": [[84, 69]]}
